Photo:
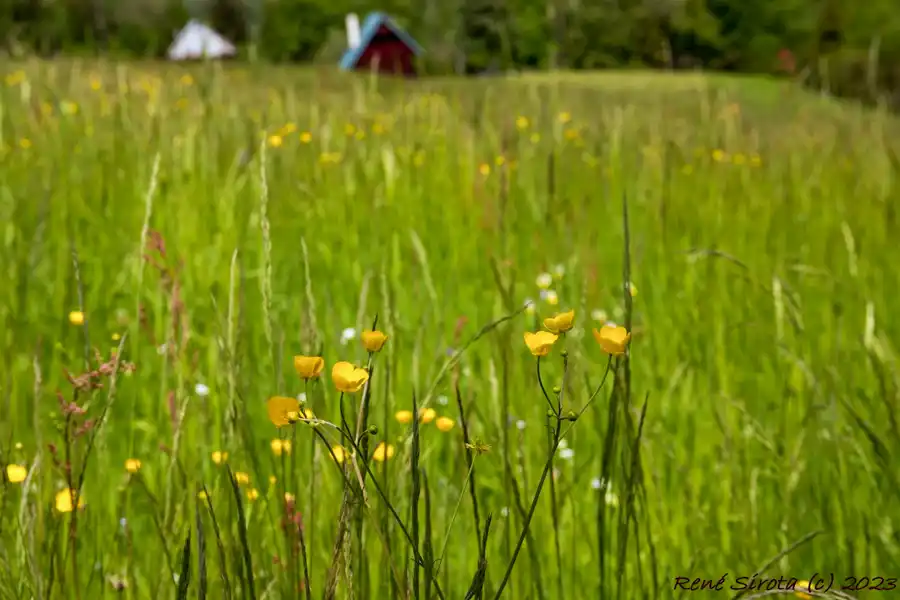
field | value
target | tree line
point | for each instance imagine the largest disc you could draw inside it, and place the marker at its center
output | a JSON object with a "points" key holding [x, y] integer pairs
{"points": [[850, 48]]}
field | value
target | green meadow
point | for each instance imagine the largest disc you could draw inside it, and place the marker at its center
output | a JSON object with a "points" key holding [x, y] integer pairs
{"points": [[172, 237]]}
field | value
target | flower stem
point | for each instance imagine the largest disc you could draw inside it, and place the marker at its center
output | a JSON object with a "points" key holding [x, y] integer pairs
{"points": [[544, 390]]}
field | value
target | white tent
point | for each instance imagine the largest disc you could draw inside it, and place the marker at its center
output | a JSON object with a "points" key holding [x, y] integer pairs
{"points": [[197, 40]]}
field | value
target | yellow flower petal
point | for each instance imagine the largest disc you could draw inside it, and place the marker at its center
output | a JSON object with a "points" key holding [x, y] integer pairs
{"points": [[348, 378], [281, 408], [373, 341], [383, 452], [339, 453], [427, 415], [613, 339], [444, 424], [280, 446], [132, 465], [560, 323], [309, 367], [403, 417], [541, 342], [16, 473], [65, 498]]}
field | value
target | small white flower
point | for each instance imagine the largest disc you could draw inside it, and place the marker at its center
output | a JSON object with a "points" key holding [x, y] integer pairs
{"points": [[520, 424], [201, 389], [504, 512], [566, 453], [596, 483], [563, 443], [347, 334], [161, 350], [611, 324], [611, 499], [598, 314], [550, 297], [123, 522], [544, 280], [442, 400], [301, 397], [558, 271]]}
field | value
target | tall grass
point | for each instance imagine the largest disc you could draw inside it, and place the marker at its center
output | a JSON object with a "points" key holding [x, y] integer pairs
{"points": [[210, 223]]}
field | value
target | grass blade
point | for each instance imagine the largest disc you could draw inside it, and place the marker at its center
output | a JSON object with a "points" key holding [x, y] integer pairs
{"points": [[184, 578], [242, 533]]}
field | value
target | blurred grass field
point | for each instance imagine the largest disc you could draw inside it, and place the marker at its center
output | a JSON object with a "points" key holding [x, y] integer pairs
{"points": [[216, 221]]}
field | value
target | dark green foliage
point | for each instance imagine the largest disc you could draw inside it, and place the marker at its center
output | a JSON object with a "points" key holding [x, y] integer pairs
{"points": [[855, 52]]}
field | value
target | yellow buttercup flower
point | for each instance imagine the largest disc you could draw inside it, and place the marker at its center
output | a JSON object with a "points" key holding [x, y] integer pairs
{"points": [[76, 317], [202, 495], [373, 341], [444, 424], [241, 478], [283, 410], [484, 169], [132, 465], [219, 457], [305, 137], [279, 446], [403, 417], [275, 141], [522, 123], [309, 367], [427, 415], [383, 452], [16, 473], [541, 342], [252, 494], [613, 339], [560, 323], [347, 378], [339, 453], [65, 499], [802, 585]]}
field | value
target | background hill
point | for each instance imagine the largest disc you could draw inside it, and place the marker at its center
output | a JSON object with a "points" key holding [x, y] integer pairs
{"points": [[848, 48]]}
